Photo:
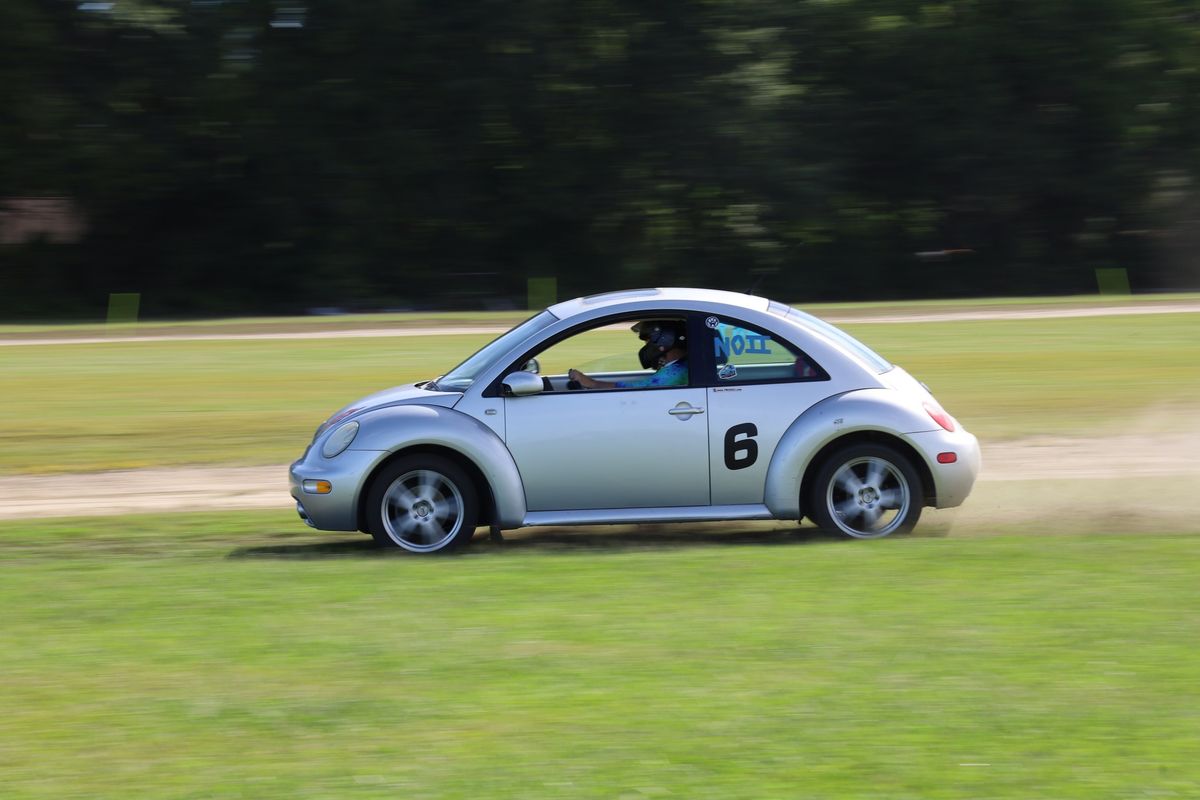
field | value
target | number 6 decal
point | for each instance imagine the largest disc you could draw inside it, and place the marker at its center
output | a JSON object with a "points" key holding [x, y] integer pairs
{"points": [[741, 453]]}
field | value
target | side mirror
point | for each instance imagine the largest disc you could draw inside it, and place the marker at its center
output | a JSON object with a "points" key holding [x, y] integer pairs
{"points": [[533, 366], [519, 384]]}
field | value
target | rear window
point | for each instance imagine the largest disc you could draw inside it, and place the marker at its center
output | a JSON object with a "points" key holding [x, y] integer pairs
{"points": [[744, 354], [873, 359]]}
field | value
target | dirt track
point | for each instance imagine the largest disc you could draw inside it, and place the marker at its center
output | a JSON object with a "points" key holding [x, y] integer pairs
{"points": [[1084, 463], [1054, 477]]}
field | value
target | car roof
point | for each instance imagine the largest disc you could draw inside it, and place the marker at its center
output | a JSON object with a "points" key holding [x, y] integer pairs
{"points": [[655, 298]]}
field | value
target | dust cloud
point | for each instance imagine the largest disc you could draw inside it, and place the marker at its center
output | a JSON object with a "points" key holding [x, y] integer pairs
{"points": [[1140, 476]]}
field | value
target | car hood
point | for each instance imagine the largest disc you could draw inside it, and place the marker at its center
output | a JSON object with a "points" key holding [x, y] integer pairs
{"points": [[407, 394]]}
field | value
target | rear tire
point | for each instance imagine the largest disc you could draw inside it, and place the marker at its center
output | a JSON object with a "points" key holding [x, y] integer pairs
{"points": [[423, 504], [866, 491]]}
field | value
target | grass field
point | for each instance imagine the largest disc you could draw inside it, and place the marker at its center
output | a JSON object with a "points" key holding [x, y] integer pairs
{"points": [[224, 656], [97, 406], [418, 319], [1038, 648]]}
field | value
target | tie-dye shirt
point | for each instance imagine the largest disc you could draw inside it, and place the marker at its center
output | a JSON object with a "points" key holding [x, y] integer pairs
{"points": [[673, 374]]}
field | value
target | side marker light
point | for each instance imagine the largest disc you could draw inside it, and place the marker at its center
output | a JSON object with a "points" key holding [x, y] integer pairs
{"points": [[321, 487], [947, 458]]}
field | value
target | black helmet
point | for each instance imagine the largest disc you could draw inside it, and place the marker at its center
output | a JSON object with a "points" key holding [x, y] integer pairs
{"points": [[660, 335]]}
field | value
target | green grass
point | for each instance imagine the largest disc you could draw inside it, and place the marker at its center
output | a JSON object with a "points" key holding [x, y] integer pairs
{"points": [[98, 406], [435, 318], [1030, 303], [240, 656], [1008, 379], [204, 327], [224, 656], [86, 407]]}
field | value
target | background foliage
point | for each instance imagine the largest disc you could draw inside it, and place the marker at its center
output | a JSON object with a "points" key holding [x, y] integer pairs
{"points": [[224, 156]]}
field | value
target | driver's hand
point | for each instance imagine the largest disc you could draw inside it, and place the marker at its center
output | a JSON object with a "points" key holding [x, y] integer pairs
{"points": [[575, 375]]}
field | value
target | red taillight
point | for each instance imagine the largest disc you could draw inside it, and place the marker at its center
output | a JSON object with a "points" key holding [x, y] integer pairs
{"points": [[940, 416]]}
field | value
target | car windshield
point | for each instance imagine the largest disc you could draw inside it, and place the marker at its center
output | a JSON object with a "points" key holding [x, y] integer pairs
{"points": [[461, 377]]}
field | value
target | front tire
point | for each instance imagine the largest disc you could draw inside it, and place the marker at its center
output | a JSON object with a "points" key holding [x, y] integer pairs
{"points": [[866, 491], [423, 504]]}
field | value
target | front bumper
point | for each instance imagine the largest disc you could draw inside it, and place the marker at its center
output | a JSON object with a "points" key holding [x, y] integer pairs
{"points": [[347, 473], [951, 482]]}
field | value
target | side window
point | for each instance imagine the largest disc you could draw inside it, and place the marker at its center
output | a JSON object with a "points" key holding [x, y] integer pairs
{"points": [[609, 348], [626, 354], [746, 354]]}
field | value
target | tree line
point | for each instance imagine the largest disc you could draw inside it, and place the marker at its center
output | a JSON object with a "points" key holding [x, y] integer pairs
{"points": [[272, 156]]}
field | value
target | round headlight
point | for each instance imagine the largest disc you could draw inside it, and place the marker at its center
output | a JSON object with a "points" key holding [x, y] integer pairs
{"points": [[339, 440]]}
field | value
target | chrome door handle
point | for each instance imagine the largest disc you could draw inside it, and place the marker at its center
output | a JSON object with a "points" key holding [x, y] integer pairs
{"points": [[685, 410]]}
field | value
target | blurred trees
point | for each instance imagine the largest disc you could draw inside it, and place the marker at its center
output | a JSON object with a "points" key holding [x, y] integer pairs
{"points": [[254, 155]]}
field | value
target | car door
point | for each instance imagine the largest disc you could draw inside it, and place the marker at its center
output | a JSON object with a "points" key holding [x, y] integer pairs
{"points": [[759, 385], [609, 448]]}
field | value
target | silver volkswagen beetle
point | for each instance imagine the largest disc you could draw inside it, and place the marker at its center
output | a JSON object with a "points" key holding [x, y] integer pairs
{"points": [[650, 405]]}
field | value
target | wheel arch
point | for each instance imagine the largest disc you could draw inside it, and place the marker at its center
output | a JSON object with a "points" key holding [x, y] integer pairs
{"points": [[400, 431], [487, 499], [928, 492], [861, 415]]}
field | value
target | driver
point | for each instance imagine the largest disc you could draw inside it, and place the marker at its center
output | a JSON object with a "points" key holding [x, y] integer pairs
{"points": [[665, 350]]}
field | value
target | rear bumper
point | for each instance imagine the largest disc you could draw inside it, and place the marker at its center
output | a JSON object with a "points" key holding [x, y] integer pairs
{"points": [[952, 483]]}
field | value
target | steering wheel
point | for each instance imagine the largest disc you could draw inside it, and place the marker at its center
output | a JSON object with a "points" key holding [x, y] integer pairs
{"points": [[574, 385]]}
